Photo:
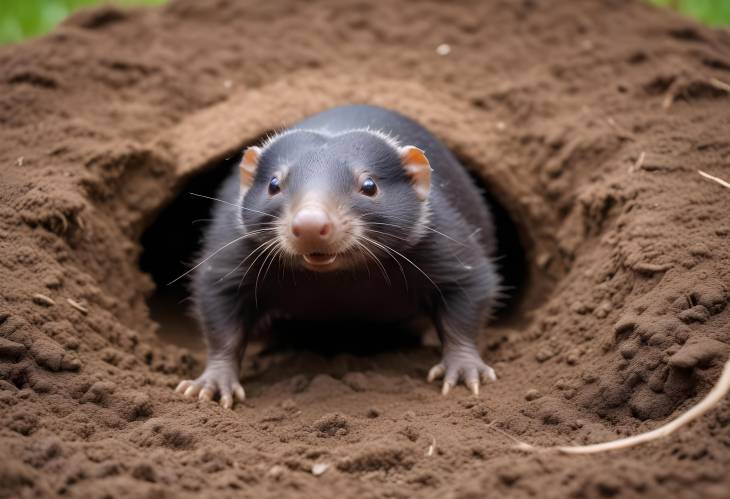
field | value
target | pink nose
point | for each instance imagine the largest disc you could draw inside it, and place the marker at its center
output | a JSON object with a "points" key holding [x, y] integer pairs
{"points": [[311, 224]]}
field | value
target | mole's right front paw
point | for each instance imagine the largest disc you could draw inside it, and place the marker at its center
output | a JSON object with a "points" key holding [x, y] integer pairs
{"points": [[215, 380]]}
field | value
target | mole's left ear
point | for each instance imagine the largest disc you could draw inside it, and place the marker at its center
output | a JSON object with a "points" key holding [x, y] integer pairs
{"points": [[249, 163], [418, 169]]}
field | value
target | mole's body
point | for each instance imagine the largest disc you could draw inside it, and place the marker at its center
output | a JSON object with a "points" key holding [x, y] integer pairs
{"points": [[356, 213]]}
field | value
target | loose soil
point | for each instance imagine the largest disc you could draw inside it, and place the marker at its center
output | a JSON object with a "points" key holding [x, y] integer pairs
{"points": [[586, 121]]}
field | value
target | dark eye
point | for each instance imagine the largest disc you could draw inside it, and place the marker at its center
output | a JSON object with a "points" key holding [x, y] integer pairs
{"points": [[274, 187], [368, 187]]}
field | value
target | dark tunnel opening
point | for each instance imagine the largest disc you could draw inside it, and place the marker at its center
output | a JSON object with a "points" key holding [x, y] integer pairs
{"points": [[171, 245], [511, 257]]}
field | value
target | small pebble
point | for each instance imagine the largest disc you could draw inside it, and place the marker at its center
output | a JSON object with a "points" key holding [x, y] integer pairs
{"points": [[580, 308], [276, 471], [532, 394], [572, 358], [603, 310], [544, 355], [319, 468]]}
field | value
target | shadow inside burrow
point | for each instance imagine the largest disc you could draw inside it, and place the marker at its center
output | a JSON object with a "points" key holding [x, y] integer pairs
{"points": [[172, 245]]}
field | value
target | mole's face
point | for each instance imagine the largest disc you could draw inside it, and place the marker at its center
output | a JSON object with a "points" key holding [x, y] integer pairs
{"points": [[327, 202]]}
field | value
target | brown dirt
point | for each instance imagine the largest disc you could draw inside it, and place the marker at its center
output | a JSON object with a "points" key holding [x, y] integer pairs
{"points": [[587, 120]]}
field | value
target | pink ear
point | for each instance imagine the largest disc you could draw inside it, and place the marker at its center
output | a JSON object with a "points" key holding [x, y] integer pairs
{"points": [[418, 169], [248, 166]]}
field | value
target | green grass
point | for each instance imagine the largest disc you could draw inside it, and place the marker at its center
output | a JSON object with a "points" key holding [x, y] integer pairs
{"points": [[21, 19], [711, 12]]}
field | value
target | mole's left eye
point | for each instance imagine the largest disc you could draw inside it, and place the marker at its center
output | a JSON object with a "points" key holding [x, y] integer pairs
{"points": [[368, 187], [274, 186]]}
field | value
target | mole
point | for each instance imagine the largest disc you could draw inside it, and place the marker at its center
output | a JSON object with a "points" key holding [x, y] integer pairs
{"points": [[355, 213]]}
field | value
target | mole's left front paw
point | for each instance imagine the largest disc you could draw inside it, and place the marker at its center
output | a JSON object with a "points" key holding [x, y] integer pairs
{"points": [[462, 365]]}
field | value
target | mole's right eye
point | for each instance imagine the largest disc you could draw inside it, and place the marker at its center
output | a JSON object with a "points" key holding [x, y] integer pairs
{"points": [[274, 187], [368, 187]]}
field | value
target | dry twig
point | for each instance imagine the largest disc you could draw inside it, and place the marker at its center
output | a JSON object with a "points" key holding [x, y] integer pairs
{"points": [[77, 306], [431, 448], [43, 300], [639, 162]]}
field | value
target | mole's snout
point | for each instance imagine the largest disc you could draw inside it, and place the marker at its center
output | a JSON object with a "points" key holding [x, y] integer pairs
{"points": [[311, 225]]}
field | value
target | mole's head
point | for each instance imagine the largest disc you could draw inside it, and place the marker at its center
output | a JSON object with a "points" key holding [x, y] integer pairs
{"points": [[328, 202]]}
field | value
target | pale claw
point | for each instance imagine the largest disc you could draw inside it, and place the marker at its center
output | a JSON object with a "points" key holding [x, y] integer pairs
{"points": [[226, 401], [446, 388], [192, 390], [183, 385], [206, 394], [488, 375], [474, 386], [435, 373], [239, 393]]}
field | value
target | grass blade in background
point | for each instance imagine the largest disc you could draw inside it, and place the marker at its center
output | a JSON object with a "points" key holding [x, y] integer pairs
{"points": [[711, 12], [21, 19]]}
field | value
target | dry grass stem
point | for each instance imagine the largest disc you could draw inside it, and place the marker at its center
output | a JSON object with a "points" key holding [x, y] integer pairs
{"points": [[715, 179], [77, 306], [718, 392]]}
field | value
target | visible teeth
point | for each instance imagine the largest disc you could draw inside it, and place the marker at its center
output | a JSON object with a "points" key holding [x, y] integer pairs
{"points": [[319, 258]]}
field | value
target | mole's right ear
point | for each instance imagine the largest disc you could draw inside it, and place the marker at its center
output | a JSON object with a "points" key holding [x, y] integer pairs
{"points": [[249, 163]]}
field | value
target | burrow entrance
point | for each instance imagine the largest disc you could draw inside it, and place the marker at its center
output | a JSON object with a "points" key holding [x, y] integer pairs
{"points": [[172, 245]]}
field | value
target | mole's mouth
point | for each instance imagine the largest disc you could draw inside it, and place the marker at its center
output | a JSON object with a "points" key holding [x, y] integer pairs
{"points": [[319, 259]]}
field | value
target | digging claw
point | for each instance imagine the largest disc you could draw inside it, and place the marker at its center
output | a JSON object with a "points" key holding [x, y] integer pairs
{"points": [[488, 375], [183, 385], [227, 401], [193, 390], [446, 388], [206, 394], [239, 393], [435, 373]]}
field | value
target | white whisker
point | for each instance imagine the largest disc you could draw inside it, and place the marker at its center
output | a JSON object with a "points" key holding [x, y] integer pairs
{"points": [[208, 258], [266, 246], [384, 247], [427, 227], [272, 251], [377, 262], [386, 234], [387, 251], [258, 231], [234, 204]]}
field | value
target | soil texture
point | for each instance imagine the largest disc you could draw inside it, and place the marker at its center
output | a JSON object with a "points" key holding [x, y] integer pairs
{"points": [[586, 121]]}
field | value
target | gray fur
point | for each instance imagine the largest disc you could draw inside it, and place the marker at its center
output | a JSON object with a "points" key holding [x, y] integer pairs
{"points": [[457, 293]]}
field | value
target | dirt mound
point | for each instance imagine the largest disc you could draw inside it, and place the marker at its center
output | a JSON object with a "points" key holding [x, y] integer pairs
{"points": [[587, 121]]}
